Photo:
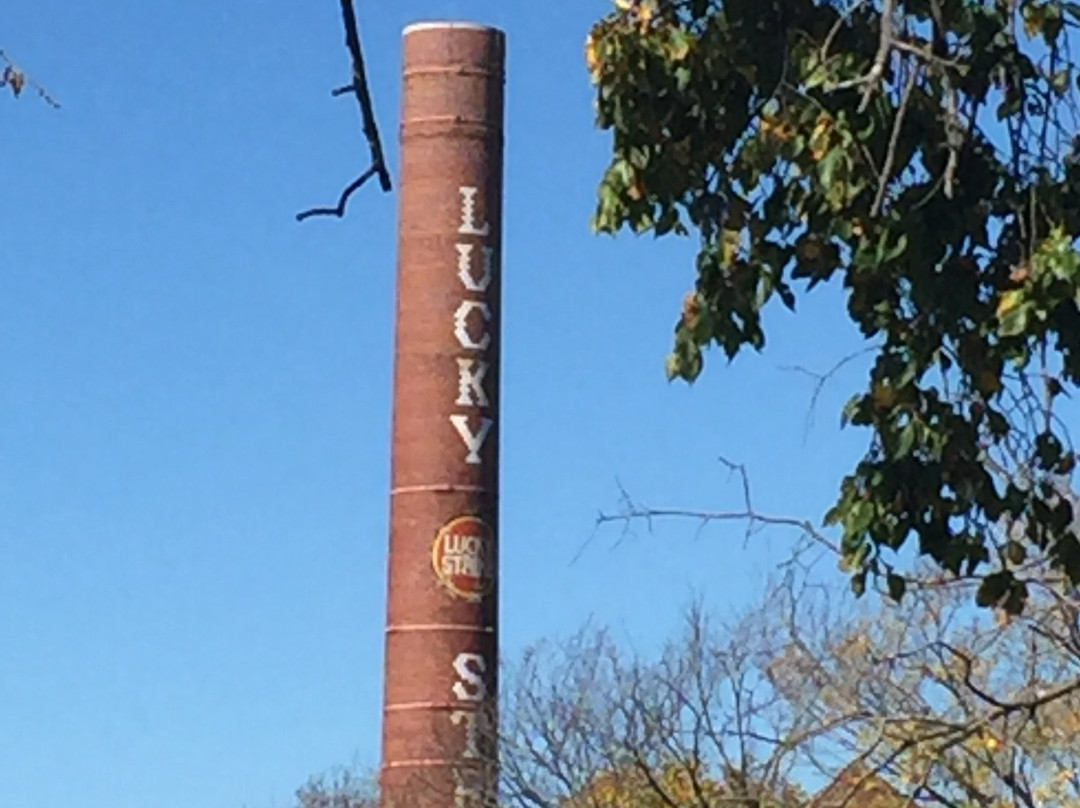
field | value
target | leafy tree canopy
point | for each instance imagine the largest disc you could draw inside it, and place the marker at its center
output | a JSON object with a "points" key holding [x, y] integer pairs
{"points": [[921, 153]]}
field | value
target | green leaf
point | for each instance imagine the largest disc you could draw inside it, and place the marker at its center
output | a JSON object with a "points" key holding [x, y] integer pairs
{"points": [[828, 166], [1016, 598], [1067, 556], [672, 367], [1059, 81], [1015, 321], [999, 425], [859, 516], [858, 583], [895, 251], [1009, 107], [993, 588], [787, 296], [1066, 464], [1015, 553], [906, 441], [897, 586], [1048, 450]]}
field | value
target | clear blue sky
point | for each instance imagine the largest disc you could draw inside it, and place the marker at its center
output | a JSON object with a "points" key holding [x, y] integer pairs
{"points": [[195, 389]]}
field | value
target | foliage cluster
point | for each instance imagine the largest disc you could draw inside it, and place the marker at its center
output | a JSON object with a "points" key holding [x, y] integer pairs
{"points": [[923, 154]]}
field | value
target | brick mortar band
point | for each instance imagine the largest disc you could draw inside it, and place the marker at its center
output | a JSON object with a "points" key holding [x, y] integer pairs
{"points": [[452, 70], [439, 488]]}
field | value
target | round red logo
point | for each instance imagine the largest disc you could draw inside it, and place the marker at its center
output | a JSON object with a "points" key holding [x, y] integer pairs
{"points": [[463, 556]]}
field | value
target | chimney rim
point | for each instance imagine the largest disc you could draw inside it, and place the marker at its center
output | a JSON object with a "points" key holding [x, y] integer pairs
{"points": [[434, 25]]}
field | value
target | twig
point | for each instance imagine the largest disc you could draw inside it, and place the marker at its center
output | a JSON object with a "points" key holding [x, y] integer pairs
{"points": [[632, 512], [339, 210], [359, 87], [12, 76], [925, 54], [894, 140], [841, 18], [877, 71], [954, 140], [822, 379]]}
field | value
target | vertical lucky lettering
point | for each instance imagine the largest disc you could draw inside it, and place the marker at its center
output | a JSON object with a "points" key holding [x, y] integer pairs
{"points": [[470, 320]]}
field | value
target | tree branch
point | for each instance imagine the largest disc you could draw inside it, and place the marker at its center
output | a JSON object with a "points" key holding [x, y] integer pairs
{"points": [[894, 140], [822, 379], [359, 88], [11, 76], [633, 512]]}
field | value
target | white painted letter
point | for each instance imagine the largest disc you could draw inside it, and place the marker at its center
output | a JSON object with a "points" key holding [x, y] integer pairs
{"points": [[468, 213], [472, 442], [471, 383], [464, 262], [472, 748], [461, 331], [470, 668]]}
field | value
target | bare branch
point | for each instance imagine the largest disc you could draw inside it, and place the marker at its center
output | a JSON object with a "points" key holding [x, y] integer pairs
{"points": [[822, 379], [894, 140], [11, 76], [359, 88]]}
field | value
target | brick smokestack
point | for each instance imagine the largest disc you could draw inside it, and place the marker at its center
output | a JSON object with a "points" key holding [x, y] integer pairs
{"points": [[442, 610]]}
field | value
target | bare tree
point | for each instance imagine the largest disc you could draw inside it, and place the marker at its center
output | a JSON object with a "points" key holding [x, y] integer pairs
{"points": [[341, 787], [954, 705], [589, 725], [932, 700]]}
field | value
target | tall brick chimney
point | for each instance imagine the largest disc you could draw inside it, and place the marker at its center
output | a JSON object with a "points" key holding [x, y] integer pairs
{"points": [[442, 597]]}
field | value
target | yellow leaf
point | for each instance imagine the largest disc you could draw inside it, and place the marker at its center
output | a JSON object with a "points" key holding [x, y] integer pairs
{"points": [[679, 49], [592, 59], [1009, 301], [809, 249], [729, 245], [819, 137]]}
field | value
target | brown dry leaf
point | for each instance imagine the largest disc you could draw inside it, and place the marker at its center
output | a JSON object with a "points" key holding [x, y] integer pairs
{"points": [[691, 309], [1019, 274]]}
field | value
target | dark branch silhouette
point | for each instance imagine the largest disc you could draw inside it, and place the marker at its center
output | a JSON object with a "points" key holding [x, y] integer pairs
{"points": [[339, 209], [371, 132], [12, 76]]}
